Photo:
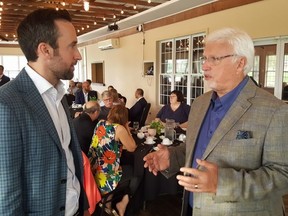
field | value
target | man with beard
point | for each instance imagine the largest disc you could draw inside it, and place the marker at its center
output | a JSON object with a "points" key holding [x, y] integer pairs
{"points": [[40, 158]]}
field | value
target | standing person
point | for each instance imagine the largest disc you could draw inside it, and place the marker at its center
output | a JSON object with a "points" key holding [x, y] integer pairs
{"points": [[86, 94], [137, 109], [3, 79], [236, 139], [85, 123], [41, 163]]}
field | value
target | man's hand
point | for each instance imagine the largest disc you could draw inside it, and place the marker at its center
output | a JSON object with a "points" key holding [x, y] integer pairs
{"points": [[204, 180], [158, 160]]}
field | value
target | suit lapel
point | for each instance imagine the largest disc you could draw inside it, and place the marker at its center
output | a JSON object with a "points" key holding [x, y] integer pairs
{"points": [[236, 111], [196, 117], [33, 99]]}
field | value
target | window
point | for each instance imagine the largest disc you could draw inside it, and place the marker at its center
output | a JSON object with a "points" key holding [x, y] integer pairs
{"points": [[180, 67], [13, 64], [270, 68]]}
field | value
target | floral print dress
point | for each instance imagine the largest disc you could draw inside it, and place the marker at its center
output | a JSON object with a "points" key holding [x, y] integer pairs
{"points": [[104, 155]]}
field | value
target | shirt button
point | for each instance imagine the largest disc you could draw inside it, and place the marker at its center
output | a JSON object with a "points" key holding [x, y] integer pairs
{"points": [[63, 181], [62, 208]]}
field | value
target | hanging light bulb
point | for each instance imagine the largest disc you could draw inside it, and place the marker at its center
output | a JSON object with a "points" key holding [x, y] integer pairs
{"points": [[122, 11], [86, 5], [149, 1], [134, 6]]}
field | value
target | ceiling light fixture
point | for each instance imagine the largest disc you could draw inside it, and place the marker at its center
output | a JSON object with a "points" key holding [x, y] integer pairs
{"points": [[86, 5], [149, 1], [134, 6], [122, 11]]}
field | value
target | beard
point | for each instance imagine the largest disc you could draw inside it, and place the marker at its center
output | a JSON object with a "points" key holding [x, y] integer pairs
{"points": [[62, 70]]}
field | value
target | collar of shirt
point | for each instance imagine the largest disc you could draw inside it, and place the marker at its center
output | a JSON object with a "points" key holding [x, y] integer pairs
{"points": [[139, 98], [227, 100], [44, 86]]}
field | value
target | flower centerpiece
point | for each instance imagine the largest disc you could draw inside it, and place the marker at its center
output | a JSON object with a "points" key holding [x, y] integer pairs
{"points": [[157, 125]]}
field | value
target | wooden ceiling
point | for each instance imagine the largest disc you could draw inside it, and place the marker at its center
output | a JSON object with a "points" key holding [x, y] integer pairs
{"points": [[101, 13]]}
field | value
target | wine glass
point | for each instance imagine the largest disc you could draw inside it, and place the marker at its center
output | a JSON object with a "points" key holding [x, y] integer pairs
{"points": [[135, 126]]}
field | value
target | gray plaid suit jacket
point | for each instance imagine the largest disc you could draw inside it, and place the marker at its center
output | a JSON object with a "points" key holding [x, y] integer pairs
{"points": [[253, 173], [33, 168]]}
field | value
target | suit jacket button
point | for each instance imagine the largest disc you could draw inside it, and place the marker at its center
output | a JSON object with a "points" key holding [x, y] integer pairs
{"points": [[63, 181], [62, 208]]}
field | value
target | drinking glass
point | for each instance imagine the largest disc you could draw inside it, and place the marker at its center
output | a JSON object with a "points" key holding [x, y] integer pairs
{"points": [[135, 126]]}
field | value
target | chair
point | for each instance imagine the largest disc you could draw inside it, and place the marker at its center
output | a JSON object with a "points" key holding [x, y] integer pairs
{"points": [[144, 115], [129, 185], [70, 98]]}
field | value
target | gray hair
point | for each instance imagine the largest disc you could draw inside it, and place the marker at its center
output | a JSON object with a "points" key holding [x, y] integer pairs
{"points": [[106, 93], [91, 109], [240, 41]]}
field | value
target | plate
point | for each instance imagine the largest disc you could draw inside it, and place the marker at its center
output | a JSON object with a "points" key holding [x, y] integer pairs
{"points": [[168, 143], [156, 148], [162, 137], [181, 140], [150, 143]]}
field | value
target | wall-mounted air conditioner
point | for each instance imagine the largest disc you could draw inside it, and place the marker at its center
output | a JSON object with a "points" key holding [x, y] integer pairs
{"points": [[109, 44]]}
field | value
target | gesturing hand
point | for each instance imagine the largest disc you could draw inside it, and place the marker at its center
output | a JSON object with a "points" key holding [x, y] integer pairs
{"points": [[158, 160], [204, 180]]}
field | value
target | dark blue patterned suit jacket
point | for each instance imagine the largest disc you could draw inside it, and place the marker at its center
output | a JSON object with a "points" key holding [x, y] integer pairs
{"points": [[32, 161]]}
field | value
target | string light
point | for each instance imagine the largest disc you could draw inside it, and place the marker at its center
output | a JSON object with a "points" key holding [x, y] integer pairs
{"points": [[86, 5], [149, 1], [134, 6], [95, 23], [122, 11]]}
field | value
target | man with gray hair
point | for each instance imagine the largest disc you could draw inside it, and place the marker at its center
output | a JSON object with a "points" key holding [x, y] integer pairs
{"points": [[85, 123], [235, 158], [108, 103]]}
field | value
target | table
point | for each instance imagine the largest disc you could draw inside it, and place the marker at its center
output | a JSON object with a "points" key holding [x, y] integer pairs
{"points": [[153, 186]]}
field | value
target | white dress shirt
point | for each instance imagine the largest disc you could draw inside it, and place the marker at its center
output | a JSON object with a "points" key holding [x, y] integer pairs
{"points": [[52, 98]]}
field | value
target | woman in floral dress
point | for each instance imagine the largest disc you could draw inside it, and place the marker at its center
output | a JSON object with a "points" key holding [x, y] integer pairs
{"points": [[109, 138]]}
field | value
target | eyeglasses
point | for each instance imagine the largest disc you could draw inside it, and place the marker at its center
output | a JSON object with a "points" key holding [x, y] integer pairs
{"points": [[214, 60], [107, 99]]}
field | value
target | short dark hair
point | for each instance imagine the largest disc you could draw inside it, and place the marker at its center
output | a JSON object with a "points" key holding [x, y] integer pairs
{"points": [[140, 91], [2, 67], [180, 96], [39, 26]]}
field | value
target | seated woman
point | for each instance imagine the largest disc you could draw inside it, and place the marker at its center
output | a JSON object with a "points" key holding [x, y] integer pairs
{"points": [[110, 137], [177, 110]]}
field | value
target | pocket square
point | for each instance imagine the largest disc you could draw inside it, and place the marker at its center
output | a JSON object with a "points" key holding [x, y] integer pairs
{"points": [[243, 134]]}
